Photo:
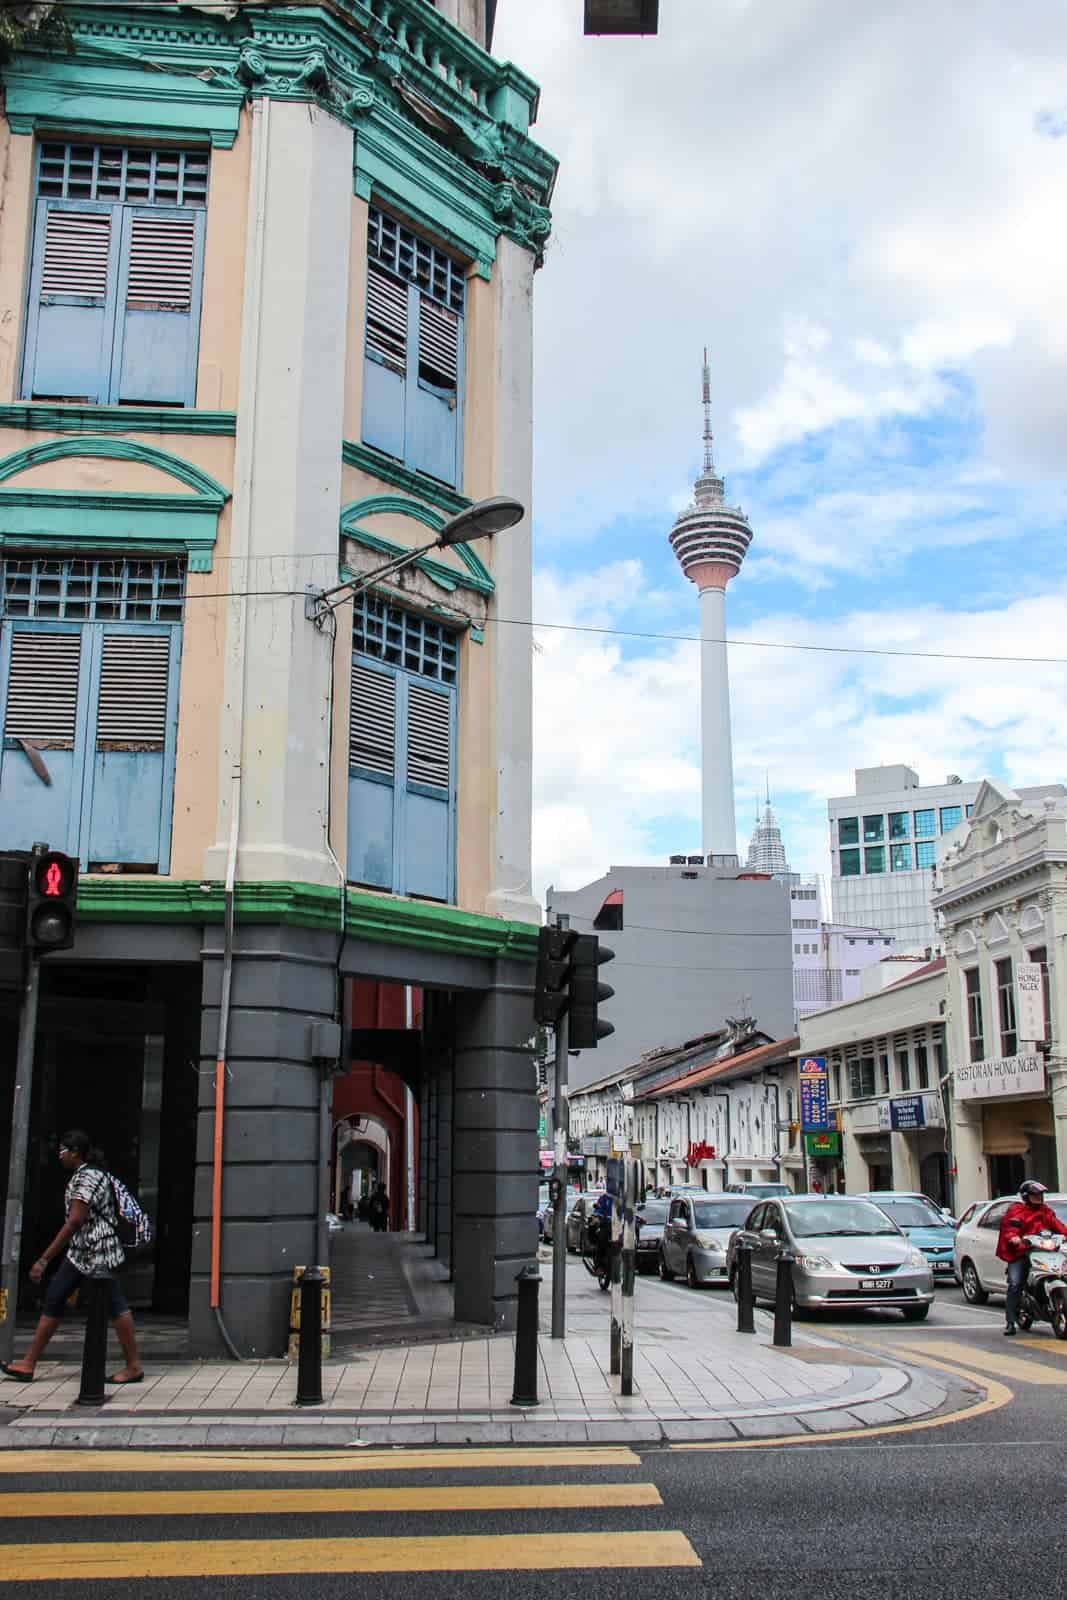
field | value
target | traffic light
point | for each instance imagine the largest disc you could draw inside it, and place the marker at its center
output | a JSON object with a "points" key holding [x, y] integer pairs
{"points": [[51, 897], [587, 992], [553, 974]]}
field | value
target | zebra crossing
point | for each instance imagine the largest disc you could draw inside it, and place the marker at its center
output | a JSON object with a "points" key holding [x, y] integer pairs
{"points": [[117, 1516]]}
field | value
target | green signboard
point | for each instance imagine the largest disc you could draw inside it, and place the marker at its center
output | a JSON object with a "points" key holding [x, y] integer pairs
{"points": [[542, 1126], [822, 1144]]}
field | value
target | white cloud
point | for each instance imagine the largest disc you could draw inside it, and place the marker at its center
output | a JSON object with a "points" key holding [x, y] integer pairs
{"points": [[616, 734]]}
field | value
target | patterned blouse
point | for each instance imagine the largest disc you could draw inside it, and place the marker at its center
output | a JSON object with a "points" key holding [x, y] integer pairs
{"points": [[94, 1248]]}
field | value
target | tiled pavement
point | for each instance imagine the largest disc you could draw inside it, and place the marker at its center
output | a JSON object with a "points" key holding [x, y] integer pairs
{"points": [[695, 1378]]}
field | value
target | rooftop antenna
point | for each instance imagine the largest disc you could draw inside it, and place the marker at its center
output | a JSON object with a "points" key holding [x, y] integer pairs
{"points": [[709, 455]]}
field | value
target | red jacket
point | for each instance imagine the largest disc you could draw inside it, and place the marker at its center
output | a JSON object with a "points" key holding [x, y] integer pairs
{"points": [[1021, 1219]]}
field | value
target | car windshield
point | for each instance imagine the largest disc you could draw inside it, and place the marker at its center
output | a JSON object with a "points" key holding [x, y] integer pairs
{"points": [[723, 1213], [653, 1211], [911, 1213], [838, 1219]]}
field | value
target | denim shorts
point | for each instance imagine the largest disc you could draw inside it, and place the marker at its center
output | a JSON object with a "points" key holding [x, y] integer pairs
{"points": [[63, 1284]]}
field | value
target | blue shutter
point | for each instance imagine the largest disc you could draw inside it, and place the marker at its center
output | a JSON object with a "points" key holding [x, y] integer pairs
{"points": [[372, 733], [385, 364], [438, 409], [130, 772], [72, 301], [428, 800], [44, 692], [160, 282]]}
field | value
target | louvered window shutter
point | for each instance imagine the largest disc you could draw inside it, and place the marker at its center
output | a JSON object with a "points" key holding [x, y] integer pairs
{"points": [[372, 768], [385, 363], [134, 684], [438, 346], [429, 751], [42, 689], [71, 302], [387, 319], [437, 397], [160, 315]]}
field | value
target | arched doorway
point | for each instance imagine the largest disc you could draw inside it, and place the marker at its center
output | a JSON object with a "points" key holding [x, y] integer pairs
{"points": [[362, 1158]]}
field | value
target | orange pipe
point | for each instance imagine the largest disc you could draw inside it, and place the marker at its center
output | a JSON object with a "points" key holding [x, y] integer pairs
{"points": [[216, 1183]]}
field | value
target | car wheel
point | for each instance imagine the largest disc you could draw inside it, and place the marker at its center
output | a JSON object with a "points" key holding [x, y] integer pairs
{"points": [[664, 1270], [1059, 1316], [973, 1292], [916, 1313], [691, 1273]]}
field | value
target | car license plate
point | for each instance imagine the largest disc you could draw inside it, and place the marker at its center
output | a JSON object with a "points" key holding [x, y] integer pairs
{"points": [[876, 1283], [942, 1266]]}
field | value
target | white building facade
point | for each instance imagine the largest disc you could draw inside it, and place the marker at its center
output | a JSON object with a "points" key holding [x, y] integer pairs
{"points": [[884, 846], [1003, 901]]}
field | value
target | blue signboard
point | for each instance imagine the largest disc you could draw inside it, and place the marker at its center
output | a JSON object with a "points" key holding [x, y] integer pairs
{"points": [[907, 1112], [814, 1095]]}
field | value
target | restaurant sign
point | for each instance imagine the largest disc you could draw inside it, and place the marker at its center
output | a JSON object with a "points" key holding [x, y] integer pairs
{"points": [[1000, 1075]]}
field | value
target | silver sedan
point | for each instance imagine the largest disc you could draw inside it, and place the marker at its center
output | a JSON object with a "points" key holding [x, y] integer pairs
{"points": [[848, 1255]]}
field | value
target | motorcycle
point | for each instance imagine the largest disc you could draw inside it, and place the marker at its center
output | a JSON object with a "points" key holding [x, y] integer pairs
{"points": [[596, 1251], [1044, 1295]]}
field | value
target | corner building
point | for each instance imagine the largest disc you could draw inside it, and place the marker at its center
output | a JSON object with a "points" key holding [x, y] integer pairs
{"points": [[269, 281]]}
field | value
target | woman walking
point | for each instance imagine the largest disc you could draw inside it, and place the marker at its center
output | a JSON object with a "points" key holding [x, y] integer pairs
{"points": [[91, 1241]]}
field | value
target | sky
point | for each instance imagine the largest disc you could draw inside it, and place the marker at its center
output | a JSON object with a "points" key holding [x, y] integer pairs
{"points": [[862, 211]]}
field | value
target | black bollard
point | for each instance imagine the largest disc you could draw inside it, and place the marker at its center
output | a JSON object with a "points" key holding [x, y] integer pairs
{"points": [[309, 1361], [746, 1322], [97, 1293], [524, 1391], [783, 1299]]}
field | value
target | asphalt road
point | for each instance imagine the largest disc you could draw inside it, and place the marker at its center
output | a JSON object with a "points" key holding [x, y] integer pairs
{"points": [[946, 1511]]}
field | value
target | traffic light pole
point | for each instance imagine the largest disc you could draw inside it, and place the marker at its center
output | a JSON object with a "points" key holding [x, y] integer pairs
{"points": [[561, 1131], [16, 1172]]}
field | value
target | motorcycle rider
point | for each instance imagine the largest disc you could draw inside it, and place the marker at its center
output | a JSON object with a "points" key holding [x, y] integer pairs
{"points": [[602, 1235], [1029, 1214]]}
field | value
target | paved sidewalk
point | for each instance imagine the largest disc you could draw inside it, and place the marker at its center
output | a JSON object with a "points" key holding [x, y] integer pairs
{"points": [[696, 1378]]}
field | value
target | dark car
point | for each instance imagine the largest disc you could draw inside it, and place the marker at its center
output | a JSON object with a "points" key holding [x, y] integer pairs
{"points": [[578, 1222], [650, 1218]]}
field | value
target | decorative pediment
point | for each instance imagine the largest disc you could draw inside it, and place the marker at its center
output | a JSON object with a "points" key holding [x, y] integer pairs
{"points": [[965, 942], [455, 578], [174, 507], [997, 930], [991, 798], [1032, 919]]}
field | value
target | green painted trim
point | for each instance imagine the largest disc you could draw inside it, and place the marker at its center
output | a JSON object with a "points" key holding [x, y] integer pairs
{"points": [[381, 919], [476, 635], [83, 519], [378, 465], [444, 576], [37, 417], [79, 95], [382, 504], [36, 455]]}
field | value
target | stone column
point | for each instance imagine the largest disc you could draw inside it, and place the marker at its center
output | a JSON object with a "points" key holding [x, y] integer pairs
{"points": [[494, 1146], [972, 1172], [444, 1158], [284, 980], [422, 1198], [905, 1157], [1057, 1089], [856, 1175], [511, 891]]}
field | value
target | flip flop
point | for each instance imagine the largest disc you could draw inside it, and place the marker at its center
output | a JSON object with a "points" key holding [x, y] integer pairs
{"points": [[122, 1381], [15, 1375]]}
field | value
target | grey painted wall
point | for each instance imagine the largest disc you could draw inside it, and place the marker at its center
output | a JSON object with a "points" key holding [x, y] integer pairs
{"points": [[692, 951]]}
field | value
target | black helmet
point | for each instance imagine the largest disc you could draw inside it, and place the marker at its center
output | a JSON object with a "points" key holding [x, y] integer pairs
{"points": [[1032, 1190]]}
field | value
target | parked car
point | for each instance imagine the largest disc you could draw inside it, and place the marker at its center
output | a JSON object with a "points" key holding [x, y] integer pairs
{"points": [[651, 1216], [849, 1254], [975, 1248], [759, 1191], [928, 1226], [578, 1221], [696, 1235], [546, 1213]]}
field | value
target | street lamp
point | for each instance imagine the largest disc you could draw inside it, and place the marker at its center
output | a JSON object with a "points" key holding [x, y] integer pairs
{"points": [[478, 521], [621, 16]]}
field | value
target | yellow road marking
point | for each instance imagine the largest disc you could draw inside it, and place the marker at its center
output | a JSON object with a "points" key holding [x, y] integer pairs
{"points": [[983, 1361], [401, 1459], [997, 1396], [210, 1558], [261, 1502], [1048, 1347]]}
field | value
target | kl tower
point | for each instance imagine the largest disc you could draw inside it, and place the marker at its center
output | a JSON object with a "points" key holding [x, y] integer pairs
{"points": [[710, 540]]}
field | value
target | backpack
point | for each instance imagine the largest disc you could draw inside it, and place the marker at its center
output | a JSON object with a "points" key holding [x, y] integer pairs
{"points": [[133, 1226]]}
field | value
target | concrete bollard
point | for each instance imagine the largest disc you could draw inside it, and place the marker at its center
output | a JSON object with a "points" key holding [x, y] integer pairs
{"points": [[309, 1363], [783, 1299], [524, 1389], [97, 1292], [746, 1322]]}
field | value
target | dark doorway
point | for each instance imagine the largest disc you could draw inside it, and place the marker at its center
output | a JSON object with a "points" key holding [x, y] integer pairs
{"points": [[1006, 1173]]}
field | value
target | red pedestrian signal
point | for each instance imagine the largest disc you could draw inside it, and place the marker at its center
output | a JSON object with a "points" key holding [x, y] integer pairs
{"points": [[51, 902]]}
